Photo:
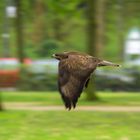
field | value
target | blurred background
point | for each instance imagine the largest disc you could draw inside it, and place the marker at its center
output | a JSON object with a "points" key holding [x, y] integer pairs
{"points": [[32, 30]]}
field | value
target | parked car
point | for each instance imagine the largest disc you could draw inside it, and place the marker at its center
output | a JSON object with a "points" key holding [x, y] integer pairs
{"points": [[43, 66], [9, 71]]}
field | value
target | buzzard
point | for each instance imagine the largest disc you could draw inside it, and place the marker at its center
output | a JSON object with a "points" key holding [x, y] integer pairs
{"points": [[75, 70]]}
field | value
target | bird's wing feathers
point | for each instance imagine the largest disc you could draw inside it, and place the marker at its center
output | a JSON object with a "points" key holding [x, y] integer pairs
{"points": [[74, 74], [71, 81]]}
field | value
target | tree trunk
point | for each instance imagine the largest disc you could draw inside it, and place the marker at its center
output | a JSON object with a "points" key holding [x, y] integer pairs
{"points": [[121, 13], [6, 33], [57, 26], [19, 30], [39, 24], [95, 34], [100, 27], [91, 43], [1, 105], [19, 36]]}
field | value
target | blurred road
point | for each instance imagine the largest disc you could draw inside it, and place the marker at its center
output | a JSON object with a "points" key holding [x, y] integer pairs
{"points": [[37, 107]]}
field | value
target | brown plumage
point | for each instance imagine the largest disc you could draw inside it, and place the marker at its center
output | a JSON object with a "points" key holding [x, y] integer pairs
{"points": [[75, 70]]}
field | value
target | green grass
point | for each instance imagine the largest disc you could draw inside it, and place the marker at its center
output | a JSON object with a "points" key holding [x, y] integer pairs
{"points": [[73, 125], [53, 98], [69, 125]]}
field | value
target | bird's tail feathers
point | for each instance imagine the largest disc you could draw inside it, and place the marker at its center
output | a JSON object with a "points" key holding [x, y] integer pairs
{"points": [[69, 102], [74, 102]]}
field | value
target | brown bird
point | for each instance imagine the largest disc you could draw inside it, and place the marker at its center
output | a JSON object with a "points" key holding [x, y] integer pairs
{"points": [[75, 70]]}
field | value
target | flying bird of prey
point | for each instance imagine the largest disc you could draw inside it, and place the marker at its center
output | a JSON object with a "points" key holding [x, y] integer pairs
{"points": [[75, 70]]}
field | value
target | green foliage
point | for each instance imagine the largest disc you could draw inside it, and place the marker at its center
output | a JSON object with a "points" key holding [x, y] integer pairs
{"points": [[48, 47], [30, 51], [1, 102], [62, 8], [37, 81], [135, 72], [72, 18], [126, 79], [104, 83]]}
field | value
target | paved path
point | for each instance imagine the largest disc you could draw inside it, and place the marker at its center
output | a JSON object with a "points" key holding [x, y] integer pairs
{"points": [[35, 106]]}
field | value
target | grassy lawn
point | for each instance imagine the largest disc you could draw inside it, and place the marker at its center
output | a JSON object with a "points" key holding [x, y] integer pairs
{"points": [[53, 98], [73, 125], [64, 125]]}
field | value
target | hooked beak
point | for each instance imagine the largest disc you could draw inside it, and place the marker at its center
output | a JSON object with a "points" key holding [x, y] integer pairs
{"points": [[54, 56], [107, 63]]}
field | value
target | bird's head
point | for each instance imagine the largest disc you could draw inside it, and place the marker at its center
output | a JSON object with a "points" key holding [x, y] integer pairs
{"points": [[101, 63], [60, 56]]}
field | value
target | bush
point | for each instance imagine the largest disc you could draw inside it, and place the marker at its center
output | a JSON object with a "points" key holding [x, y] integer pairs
{"points": [[48, 47], [127, 79], [37, 81]]}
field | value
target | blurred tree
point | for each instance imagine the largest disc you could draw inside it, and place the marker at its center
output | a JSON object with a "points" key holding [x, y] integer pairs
{"points": [[6, 34], [111, 31], [95, 35], [95, 27], [49, 47], [61, 14], [39, 27], [121, 16], [1, 105], [91, 40], [2, 17], [19, 37], [100, 21], [19, 30]]}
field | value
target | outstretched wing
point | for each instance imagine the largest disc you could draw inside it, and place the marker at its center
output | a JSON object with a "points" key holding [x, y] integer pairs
{"points": [[71, 82]]}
